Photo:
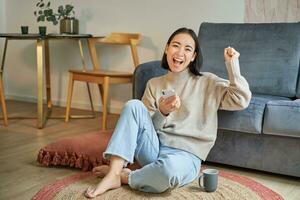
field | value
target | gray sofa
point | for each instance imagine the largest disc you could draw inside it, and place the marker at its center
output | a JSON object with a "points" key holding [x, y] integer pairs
{"points": [[266, 135]]}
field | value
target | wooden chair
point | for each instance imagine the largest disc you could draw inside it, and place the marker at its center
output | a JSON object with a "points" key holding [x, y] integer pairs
{"points": [[103, 77], [2, 99]]}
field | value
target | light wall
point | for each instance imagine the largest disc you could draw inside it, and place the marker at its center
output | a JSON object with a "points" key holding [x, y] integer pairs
{"points": [[155, 20], [2, 15], [2, 24]]}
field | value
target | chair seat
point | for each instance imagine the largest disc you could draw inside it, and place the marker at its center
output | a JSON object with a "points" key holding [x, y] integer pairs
{"points": [[102, 73]]}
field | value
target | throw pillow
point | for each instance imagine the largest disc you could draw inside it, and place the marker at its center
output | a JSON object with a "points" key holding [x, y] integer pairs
{"points": [[83, 151]]}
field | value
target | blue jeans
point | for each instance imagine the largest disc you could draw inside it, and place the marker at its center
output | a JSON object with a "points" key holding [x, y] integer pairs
{"points": [[162, 167]]}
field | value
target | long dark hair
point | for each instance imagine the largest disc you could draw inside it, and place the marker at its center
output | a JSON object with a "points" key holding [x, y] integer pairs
{"points": [[195, 65]]}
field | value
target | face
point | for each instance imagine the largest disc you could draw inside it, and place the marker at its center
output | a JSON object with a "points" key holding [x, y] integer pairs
{"points": [[180, 52]]}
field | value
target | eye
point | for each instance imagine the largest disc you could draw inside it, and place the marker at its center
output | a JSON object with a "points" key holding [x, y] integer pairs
{"points": [[188, 49], [175, 45]]}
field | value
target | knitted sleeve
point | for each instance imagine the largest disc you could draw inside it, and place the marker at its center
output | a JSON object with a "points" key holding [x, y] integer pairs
{"points": [[235, 93], [149, 101]]}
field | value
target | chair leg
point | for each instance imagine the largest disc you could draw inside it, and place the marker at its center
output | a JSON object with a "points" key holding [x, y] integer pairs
{"points": [[104, 102], [69, 97], [3, 104], [101, 91]]}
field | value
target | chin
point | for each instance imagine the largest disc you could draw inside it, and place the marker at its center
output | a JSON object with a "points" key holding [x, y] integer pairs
{"points": [[177, 69]]}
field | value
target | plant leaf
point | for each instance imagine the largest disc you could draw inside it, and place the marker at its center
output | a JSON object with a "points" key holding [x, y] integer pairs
{"points": [[50, 18], [69, 8], [42, 5], [48, 4], [48, 12], [41, 18], [60, 9]]}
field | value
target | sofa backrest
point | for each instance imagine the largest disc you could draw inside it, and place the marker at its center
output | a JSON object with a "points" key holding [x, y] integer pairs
{"points": [[269, 54], [298, 87], [142, 74]]}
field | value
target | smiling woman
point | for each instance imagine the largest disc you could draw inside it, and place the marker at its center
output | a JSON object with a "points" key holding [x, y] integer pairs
{"points": [[159, 130], [183, 48], [180, 52]]}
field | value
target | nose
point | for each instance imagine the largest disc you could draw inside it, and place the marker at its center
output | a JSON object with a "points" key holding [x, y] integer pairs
{"points": [[180, 51]]}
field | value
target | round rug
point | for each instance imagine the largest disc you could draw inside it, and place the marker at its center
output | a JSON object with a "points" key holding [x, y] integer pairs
{"points": [[230, 187]]}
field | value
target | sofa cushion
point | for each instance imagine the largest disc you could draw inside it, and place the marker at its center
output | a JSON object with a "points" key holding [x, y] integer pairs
{"points": [[282, 118], [269, 54], [249, 120], [142, 74]]}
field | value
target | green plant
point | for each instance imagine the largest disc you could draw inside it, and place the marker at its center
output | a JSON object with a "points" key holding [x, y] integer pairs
{"points": [[65, 12], [45, 12]]}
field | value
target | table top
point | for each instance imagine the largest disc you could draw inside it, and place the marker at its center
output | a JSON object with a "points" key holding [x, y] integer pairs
{"points": [[31, 36]]}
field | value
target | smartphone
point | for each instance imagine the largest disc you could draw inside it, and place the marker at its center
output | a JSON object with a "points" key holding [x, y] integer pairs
{"points": [[168, 93]]}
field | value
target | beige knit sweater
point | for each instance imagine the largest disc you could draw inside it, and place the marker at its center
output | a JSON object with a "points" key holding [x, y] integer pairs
{"points": [[193, 127]]}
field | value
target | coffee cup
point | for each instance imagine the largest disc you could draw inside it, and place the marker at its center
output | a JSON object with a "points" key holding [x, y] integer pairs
{"points": [[210, 180]]}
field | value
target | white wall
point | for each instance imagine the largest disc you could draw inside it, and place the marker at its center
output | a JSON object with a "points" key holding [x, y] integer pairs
{"points": [[155, 20]]}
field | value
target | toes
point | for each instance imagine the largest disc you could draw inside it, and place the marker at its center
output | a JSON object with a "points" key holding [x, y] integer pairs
{"points": [[126, 170], [89, 192]]}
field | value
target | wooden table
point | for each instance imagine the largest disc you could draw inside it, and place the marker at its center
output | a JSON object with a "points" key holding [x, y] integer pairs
{"points": [[42, 55]]}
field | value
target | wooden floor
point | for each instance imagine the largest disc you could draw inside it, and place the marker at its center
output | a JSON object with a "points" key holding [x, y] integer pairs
{"points": [[21, 177]]}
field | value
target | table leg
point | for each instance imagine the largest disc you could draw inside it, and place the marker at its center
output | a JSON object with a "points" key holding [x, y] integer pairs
{"points": [[84, 69], [4, 54], [2, 94], [39, 56], [48, 81], [2, 100]]}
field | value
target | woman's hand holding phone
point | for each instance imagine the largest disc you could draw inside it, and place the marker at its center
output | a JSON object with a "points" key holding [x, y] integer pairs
{"points": [[168, 102]]}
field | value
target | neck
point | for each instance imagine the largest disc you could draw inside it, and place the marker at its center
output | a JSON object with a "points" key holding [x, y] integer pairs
{"points": [[177, 76]]}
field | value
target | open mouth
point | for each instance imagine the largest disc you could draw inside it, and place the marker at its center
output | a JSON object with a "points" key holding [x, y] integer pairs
{"points": [[177, 61]]}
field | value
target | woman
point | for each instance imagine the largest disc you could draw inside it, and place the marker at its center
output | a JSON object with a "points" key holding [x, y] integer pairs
{"points": [[170, 136]]}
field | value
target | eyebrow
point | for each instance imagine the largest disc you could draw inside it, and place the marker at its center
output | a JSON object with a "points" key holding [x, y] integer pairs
{"points": [[189, 46]]}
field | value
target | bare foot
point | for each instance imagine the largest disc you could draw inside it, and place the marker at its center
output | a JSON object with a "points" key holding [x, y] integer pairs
{"points": [[124, 176], [109, 182], [102, 170]]}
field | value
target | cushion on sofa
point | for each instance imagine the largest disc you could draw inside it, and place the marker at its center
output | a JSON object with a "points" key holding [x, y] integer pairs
{"points": [[269, 54], [282, 118], [249, 120], [83, 151]]}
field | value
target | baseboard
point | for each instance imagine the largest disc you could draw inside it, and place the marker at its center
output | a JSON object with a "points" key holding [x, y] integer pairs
{"points": [[116, 108]]}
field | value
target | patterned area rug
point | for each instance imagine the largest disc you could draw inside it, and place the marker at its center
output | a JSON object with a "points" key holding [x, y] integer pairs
{"points": [[231, 187]]}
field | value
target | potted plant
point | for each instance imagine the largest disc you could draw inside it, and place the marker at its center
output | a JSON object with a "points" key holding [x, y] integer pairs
{"points": [[65, 14], [68, 23], [44, 13]]}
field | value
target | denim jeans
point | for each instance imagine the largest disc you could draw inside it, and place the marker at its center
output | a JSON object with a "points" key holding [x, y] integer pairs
{"points": [[162, 167]]}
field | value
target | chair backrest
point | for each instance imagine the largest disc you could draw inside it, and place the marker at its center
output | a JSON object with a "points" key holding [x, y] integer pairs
{"points": [[131, 39]]}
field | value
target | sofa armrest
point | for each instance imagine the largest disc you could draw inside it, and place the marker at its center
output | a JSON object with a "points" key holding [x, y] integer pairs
{"points": [[142, 74]]}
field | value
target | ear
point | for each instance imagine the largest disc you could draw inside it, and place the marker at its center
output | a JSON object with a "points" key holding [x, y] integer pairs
{"points": [[194, 56], [166, 48]]}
